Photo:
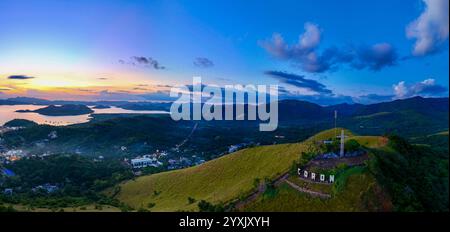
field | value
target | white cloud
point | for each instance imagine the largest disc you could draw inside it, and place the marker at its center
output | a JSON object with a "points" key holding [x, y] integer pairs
{"points": [[427, 88], [311, 38], [431, 28], [307, 43], [400, 89]]}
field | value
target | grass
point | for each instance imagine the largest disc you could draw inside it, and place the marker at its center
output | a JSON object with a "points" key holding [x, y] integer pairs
{"points": [[368, 141], [328, 134], [220, 180], [371, 141], [323, 188], [342, 178], [86, 208]]}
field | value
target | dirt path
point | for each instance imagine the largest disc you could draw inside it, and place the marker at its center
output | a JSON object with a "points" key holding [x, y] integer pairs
{"points": [[310, 192], [261, 189], [188, 137], [314, 182]]}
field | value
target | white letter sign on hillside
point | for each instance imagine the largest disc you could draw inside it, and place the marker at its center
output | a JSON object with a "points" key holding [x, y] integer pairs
{"points": [[313, 176]]}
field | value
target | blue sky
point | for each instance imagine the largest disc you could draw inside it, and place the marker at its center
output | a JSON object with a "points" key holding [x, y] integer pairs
{"points": [[358, 51]]}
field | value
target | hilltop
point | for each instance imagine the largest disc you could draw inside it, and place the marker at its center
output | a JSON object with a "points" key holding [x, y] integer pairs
{"points": [[398, 176], [219, 181]]}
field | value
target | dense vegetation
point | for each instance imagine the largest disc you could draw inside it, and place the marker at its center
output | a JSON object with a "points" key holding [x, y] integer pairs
{"points": [[399, 177], [416, 176], [108, 133], [103, 137], [78, 180]]}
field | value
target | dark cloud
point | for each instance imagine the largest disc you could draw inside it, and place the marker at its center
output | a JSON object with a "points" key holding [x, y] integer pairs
{"points": [[102, 78], [375, 57], [140, 89], [19, 77], [86, 90], [299, 81], [123, 91], [144, 62], [203, 62], [165, 86], [147, 61], [322, 96], [305, 53]]}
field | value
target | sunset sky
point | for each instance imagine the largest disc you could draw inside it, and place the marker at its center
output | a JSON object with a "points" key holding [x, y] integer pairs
{"points": [[322, 51]]}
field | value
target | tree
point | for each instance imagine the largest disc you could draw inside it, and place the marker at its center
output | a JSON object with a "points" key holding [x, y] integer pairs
{"points": [[352, 145], [191, 200], [205, 206]]}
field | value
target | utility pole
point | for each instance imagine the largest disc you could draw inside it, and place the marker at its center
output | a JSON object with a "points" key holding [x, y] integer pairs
{"points": [[335, 118]]}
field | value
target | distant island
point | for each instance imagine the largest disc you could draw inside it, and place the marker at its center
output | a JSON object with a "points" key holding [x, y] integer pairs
{"points": [[101, 107], [64, 110], [145, 106], [20, 123]]}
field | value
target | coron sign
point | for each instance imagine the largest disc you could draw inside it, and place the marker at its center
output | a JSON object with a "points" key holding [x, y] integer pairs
{"points": [[305, 174]]}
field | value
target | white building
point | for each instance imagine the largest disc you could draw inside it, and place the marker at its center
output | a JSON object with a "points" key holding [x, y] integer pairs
{"points": [[145, 161], [53, 135]]}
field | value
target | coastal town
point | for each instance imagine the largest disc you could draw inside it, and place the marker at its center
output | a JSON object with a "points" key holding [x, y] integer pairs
{"points": [[138, 164], [164, 159]]}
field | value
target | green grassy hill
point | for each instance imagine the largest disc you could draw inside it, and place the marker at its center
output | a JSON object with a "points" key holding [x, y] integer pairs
{"points": [[218, 181]]}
